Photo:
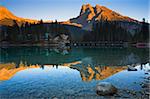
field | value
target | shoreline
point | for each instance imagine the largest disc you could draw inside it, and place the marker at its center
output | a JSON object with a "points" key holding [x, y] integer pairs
{"points": [[138, 45]]}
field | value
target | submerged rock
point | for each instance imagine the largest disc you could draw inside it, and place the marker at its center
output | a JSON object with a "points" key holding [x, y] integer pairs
{"points": [[105, 88], [131, 68]]}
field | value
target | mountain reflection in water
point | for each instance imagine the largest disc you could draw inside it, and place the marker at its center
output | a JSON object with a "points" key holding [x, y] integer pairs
{"points": [[7, 71], [92, 63], [87, 73]]}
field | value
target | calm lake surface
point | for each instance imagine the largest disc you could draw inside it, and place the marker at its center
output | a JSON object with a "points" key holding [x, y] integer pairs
{"points": [[69, 72]]}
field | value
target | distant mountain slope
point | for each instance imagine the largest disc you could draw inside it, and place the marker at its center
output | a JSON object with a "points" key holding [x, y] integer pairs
{"points": [[6, 18], [89, 15]]}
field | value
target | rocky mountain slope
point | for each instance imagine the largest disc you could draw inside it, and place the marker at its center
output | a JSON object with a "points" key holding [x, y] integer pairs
{"points": [[88, 15], [6, 18]]}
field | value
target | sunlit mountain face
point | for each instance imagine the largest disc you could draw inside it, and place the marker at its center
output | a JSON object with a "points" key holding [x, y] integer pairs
{"points": [[7, 18], [89, 15]]}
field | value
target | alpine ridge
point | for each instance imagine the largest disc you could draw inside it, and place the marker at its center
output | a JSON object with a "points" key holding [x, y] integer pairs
{"points": [[6, 17], [89, 14]]}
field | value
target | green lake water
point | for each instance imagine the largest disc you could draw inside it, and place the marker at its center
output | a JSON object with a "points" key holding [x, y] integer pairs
{"points": [[54, 79]]}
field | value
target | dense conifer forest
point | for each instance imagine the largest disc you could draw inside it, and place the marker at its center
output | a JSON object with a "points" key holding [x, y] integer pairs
{"points": [[103, 30]]}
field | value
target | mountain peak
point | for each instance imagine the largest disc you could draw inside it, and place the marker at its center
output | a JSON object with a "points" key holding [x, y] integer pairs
{"points": [[2, 8], [90, 14], [86, 8], [97, 6], [87, 5], [6, 17], [6, 14]]}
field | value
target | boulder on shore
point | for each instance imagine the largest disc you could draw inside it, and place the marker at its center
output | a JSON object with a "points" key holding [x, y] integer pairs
{"points": [[105, 88]]}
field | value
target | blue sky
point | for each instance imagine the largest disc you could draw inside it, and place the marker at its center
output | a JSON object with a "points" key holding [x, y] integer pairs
{"points": [[66, 9]]}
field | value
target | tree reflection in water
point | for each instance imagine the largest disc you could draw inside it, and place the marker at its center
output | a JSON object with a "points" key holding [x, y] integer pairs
{"points": [[92, 63]]}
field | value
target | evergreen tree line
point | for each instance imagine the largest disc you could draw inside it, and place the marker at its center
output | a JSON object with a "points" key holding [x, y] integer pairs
{"points": [[112, 31], [101, 31], [109, 31], [143, 34], [28, 32]]}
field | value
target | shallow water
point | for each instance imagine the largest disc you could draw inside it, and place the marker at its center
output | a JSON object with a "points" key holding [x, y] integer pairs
{"points": [[73, 72]]}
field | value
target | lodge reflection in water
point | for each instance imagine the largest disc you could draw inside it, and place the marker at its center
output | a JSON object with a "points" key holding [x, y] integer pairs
{"points": [[97, 56], [92, 63]]}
